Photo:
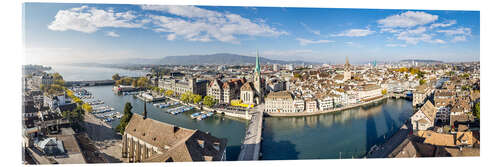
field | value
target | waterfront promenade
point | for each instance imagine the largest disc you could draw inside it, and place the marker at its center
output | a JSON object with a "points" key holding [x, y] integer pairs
{"points": [[250, 147], [297, 114]]}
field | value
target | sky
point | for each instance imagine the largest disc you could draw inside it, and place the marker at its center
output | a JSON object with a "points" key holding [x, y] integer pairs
{"points": [[59, 33]]}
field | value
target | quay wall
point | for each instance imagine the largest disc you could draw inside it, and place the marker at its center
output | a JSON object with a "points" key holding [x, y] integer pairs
{"points": [[296, 114]]}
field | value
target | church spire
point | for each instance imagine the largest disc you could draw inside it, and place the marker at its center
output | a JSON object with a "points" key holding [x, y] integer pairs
{"points": [[257, 63]]}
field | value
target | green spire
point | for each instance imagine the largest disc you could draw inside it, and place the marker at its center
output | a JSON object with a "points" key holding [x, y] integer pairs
{"points": [[257, 64]]}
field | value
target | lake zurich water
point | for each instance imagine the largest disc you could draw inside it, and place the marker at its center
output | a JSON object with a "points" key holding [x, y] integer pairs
{"points": [[346, 134]]}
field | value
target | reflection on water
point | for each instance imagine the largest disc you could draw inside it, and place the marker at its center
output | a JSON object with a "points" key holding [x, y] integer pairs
{"points": [[343, 134]]}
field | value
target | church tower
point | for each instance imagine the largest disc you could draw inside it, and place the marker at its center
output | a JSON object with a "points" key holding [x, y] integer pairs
{"points": [[257, 79], [347, 70]]}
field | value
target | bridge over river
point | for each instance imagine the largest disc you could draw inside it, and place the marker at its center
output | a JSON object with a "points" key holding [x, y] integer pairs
{"points": [[90, 83], [250, 148]]}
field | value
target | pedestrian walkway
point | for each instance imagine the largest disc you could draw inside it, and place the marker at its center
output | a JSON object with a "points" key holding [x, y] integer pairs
{"points": [[250, 148]]}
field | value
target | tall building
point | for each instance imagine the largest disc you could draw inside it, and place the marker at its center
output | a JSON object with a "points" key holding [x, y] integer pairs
{"points": [[347, 70], [253, 92]]}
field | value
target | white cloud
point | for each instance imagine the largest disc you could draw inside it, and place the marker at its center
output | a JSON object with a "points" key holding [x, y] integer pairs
{"points": [[304, 42], [112, 34], [396, 45], [459, 39], [355, 33], [316, 32], [89, 20], [184, 11], [458, 31], [353, 44], [391, 30], [459, 34], [415, 38], [418, 30], [205, 25], [407, 19], [447, 24]]}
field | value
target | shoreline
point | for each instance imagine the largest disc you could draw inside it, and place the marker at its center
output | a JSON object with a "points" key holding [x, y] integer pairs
{"points": [[299, 114]]}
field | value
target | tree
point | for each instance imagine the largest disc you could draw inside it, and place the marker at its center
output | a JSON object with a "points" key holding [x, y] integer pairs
{"points": [[208, 101], [422, 82], [143, 82], [169, 93], [116, 77], [134, 83], [127, 115], [87, 107], [197, 99], [185, 97]]}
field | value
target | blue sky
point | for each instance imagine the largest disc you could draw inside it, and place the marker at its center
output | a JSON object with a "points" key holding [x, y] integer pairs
{"points": [[66, 33]]}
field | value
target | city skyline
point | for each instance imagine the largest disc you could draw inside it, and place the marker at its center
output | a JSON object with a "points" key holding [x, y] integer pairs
{"points": [[100, 32]]}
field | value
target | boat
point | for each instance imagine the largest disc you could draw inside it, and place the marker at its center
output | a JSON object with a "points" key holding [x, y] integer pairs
{"points": [[195, 115], [210, 114], [202, 116]]}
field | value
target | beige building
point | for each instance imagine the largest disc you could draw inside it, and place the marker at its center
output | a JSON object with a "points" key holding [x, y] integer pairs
{"points": [[325, 103], [311, 105], [369, 92], [215, 90], [421, 93], [279, 102], [181, 86]]}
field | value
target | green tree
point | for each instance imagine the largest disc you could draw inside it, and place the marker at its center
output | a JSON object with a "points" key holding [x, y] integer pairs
{"points": [[116, 77], [422, 81], [127, 115], [197, 99], [185, 97], [87, 107], [169, 93], [143, 82], [208, 101]]}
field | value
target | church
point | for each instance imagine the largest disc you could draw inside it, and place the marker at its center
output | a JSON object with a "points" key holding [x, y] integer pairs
{"points": [[253, 92], [347, 70]]}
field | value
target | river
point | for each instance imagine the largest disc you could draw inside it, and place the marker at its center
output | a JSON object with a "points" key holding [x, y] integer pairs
{"points": [[346, 134]]}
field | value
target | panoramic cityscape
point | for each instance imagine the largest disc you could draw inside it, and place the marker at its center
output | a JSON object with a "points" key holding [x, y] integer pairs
{"points": [[105, 83]]}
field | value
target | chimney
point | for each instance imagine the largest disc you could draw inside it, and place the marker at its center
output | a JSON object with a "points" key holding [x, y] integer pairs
{"points": [[145, 114]]}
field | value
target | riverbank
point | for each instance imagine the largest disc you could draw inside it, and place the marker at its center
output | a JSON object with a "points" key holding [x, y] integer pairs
{"points": [[299, 114]]}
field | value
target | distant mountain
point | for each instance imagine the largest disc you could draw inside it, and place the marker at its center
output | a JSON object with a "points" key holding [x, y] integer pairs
{"points": [[219, 58], [420, 61]]}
